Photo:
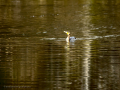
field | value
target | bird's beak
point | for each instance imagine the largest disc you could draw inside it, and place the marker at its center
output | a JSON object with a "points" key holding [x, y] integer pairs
{"points": [[66, 32]]}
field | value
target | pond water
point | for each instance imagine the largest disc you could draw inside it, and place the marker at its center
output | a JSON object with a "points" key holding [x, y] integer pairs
{"points": [[34, 54]]}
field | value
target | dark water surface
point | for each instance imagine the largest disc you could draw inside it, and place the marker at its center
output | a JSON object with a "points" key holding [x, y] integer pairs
{"points": [[35, 56]]}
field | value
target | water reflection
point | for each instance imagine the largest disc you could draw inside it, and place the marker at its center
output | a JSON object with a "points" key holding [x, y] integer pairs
{"points": [[35, 55]]}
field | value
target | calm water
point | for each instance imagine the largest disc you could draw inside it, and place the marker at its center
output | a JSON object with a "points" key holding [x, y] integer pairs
{"points": [[35, 56]]}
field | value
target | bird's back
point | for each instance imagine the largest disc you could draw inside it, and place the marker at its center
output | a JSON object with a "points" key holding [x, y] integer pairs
{"points": [[72, 39]]}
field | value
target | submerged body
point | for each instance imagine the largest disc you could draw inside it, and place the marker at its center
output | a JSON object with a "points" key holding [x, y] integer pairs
{"points": [[69, 39]]}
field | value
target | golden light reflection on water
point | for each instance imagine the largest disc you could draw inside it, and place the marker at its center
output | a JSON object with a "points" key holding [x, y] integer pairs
{"points": [[86, 50], [67, 64], [86, 63]]}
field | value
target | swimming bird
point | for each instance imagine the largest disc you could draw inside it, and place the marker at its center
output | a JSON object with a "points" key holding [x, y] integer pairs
{"points": [[69, 39]]}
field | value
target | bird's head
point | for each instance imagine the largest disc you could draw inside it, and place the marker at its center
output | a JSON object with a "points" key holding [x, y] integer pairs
{"points": [[68, 33]]}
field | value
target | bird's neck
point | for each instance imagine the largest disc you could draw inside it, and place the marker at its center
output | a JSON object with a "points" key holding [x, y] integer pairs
{"points": [[68, 38]]}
